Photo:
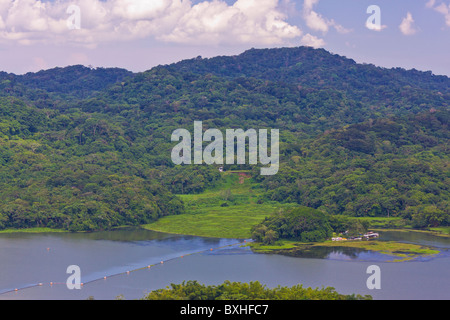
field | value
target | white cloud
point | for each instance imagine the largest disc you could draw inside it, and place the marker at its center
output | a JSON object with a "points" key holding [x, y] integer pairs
{"points": [[445, 10], [313, 19], [27, 15], [312, 41], [137, 9], [339, 28], [316, 21], [407, 25], [375, 27], [430, 3], [208, 22], [442, 8], [246, 21]]}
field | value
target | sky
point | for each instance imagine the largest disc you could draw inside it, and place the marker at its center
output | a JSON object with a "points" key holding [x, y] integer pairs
{"points": [[140, 34]]}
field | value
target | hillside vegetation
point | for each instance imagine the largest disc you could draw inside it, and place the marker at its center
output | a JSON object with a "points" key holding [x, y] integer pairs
{"points": [[192, 290], [87, 149]]}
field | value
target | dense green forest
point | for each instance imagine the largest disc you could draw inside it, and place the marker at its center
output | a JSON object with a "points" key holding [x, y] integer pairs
{"points": [[89, 148], [378, 168], [192, 290], [305, 224]]}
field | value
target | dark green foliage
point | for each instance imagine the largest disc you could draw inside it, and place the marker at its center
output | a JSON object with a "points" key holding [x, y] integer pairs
{"points": [[192, 290], [384, 167], [71, 82], [350, 227], [86, 149], [301, 224]]}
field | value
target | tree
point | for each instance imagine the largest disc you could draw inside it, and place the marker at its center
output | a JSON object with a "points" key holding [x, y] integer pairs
{"points": [[302, 224]]}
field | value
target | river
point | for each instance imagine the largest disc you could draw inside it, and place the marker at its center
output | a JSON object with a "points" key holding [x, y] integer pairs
{"points": [[115, 264]]}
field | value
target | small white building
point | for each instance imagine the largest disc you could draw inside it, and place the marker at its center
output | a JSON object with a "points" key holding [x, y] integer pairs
{"points": [[371, 235]]}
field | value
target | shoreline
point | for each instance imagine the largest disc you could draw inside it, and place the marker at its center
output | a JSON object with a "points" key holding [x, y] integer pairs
{"points": [[219, 236], [436, 233], [400, 250], [32, 230]]}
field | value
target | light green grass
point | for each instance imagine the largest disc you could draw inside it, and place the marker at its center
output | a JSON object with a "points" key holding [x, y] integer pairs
{"points": [[229, 222], [31, 230], [384, 222], [279, 245], [207, 218], [445, 231]]}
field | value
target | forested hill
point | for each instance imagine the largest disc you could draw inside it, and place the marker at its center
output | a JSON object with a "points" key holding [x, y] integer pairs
{"points": [[314, 68], [89, 148], [70, 82], [311, 89], [395, 167]]}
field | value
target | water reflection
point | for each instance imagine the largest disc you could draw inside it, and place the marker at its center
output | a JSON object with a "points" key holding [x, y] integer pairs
{"points": [[25, 260], [338, 253], [128, 234], [360, 254], [416, 237]]}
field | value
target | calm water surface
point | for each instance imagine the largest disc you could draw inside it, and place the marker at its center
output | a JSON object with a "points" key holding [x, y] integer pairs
{"points": [[29, 259]]}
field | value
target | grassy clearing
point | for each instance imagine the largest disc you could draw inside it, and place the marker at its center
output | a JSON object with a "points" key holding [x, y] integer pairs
{"points": [[234, 222], [227, 211], [31, 230], [399, 224], [279, 245], [442, 231], [384, 222]]}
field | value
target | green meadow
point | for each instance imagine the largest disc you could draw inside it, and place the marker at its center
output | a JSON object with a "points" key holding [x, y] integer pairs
{"points": [[226, 211], [32, 230]]}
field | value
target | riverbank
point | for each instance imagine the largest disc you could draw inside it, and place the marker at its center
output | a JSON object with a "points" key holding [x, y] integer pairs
{"points": [[230, 210], [438, 232], [399, 250], [33, 230]]}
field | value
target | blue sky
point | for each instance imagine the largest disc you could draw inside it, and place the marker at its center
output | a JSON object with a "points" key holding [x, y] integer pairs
{"points": [[139, 34]]}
